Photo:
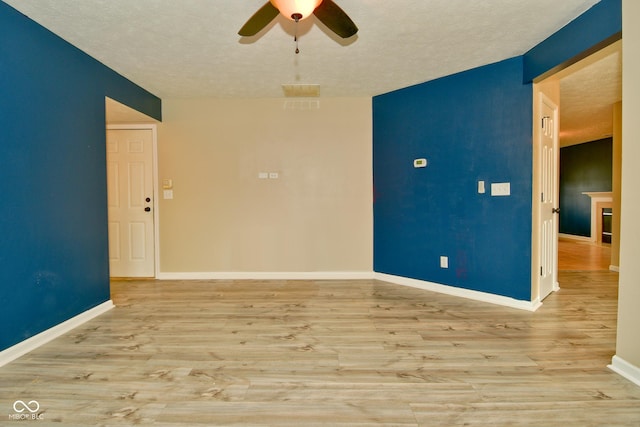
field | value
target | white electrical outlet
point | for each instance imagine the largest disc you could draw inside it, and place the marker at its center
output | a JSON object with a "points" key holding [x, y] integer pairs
{"points": [[273, 175], [263, 175], [444, 262], [481, 188], [420, 163]]}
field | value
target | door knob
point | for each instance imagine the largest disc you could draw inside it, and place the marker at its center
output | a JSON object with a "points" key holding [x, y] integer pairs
{"points": [[555, 210], [147, 209], [148, 199]]}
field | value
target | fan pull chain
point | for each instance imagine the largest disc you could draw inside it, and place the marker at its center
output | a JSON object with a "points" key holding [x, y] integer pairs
{"points": [[296, 17]]}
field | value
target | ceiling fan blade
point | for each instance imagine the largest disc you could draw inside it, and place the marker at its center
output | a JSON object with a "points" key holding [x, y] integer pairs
{"points": [[335, 19], [259, 20]]}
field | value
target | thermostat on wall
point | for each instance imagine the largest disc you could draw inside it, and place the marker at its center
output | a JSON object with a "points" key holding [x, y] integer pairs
{"points": [[420, 163]]}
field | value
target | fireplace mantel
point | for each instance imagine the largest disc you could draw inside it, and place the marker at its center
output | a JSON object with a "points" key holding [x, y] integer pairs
{"points": [[599, 201]]}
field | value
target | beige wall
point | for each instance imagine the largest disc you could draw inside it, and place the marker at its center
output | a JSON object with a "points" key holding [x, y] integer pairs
{"points": [[317, 216], [628, 342]]}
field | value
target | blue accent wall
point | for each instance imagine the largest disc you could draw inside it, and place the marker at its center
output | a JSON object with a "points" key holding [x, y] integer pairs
{"points": [[53, 215], [600, 24], [583, 168], [470, 126]]}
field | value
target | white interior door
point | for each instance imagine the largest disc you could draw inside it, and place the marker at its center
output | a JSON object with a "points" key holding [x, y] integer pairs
{"points": [[130, 193], [549, 198]]}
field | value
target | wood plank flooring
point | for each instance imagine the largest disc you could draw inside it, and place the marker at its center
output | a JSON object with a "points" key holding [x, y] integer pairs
{"points": [[583, 256], [338, 353]]}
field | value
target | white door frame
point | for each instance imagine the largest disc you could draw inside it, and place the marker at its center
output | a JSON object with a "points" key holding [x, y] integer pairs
{"points": [[154, 174]]}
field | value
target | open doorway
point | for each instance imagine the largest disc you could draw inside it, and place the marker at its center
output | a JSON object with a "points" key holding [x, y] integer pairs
{"points": [[590, 157], [589, 94]]}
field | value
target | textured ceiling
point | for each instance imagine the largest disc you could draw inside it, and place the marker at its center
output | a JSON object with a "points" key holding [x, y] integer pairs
{"points": [[190, 48], [588, 91]]}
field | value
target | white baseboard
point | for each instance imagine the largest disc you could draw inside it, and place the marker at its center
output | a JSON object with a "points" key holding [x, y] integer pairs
{"points": [[30, 344], [626, 369], [269, 275], [460, 292]]}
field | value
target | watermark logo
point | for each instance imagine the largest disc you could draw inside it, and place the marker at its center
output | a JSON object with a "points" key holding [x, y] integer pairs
{"points": [[26, 411]]}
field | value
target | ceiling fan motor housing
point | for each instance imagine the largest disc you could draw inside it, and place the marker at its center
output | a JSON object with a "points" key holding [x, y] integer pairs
{"points": [[296, 10]]}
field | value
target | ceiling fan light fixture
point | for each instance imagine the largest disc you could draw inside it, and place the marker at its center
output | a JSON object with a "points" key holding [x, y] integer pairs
{"points": [[327, 12], [292, 9]]}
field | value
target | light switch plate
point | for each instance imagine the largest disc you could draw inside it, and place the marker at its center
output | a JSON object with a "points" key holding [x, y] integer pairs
{"points": [[500, 188]]}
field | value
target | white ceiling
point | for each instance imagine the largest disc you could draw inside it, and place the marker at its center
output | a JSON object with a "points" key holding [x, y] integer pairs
{"points": [[190, 48], [588, 91]]}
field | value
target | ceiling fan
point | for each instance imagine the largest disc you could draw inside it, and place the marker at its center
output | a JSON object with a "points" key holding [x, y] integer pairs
{"points": [[326, 11]]}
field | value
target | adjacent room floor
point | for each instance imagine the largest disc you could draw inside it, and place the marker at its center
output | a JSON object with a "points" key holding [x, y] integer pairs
{"points": [[357, 353], [583, 255]]}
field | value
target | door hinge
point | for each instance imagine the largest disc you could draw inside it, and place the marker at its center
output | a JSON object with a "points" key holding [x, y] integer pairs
{"points": [[542, 197], [541, 271], [543, 119]]}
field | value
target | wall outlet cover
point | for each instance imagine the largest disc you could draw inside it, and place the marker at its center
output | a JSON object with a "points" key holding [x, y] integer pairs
{"points": [[444, 262]]}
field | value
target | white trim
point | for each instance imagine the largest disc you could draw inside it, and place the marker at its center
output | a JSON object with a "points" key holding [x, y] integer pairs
{"points": [[626, 369], [597, 197], [264, 275], [574, 237], [30, 344], [156, 191], [460, 292]]}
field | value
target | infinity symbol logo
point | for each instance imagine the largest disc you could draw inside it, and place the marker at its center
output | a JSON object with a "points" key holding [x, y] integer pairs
{"points": [[33, 406]]}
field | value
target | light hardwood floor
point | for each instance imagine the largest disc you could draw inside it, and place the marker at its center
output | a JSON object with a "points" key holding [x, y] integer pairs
{"points": [[584, 256], [356, 353]]}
